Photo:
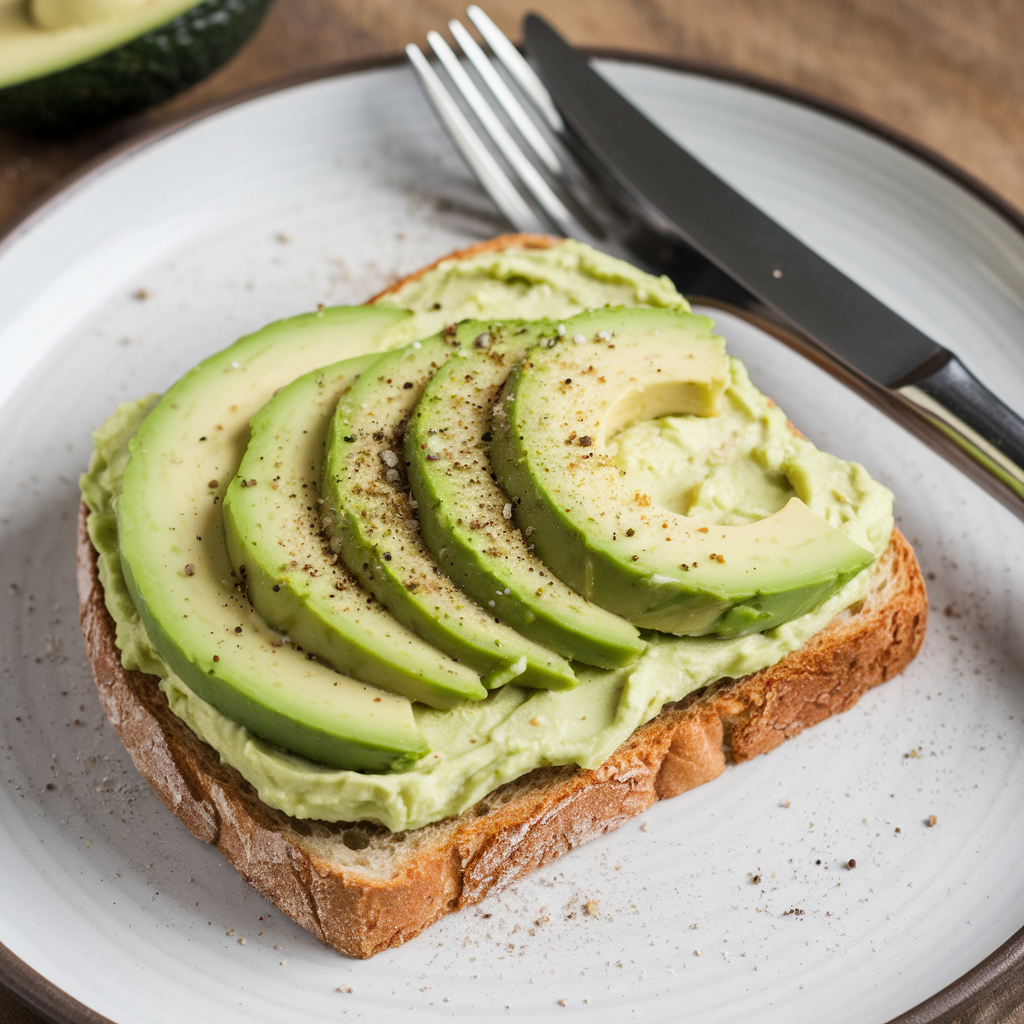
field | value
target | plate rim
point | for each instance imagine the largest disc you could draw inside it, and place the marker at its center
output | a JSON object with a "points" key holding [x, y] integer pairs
{"points": [[994, 985]]}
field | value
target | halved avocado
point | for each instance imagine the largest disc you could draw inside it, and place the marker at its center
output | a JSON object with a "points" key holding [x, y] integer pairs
{"points": [[62, 80], [466, 518], [558, 412], [175, 558]]}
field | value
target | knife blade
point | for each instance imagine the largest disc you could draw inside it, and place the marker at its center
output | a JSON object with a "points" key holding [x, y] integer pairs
{"points": [[762, 271]]}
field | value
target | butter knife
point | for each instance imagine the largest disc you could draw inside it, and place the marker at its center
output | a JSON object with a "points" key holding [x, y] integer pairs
{"points": [[721, 248]]}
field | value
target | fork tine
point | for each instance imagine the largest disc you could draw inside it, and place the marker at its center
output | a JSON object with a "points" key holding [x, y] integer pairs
{"points": [[524, 76], [528, 174], [494, 180], [526, 128]]}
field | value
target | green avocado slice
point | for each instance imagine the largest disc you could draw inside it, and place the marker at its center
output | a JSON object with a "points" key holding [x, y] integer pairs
{"points": [[377, 533], [552, 426], [176, 564], [466, 518], [274, 522]]}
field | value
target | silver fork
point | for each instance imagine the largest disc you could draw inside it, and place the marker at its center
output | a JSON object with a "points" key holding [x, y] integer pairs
{"points": [[540, 165], [563, 198]]}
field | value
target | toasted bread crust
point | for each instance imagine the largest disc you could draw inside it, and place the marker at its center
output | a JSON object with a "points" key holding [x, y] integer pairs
{"points": [[498, 244], [362, 889]]}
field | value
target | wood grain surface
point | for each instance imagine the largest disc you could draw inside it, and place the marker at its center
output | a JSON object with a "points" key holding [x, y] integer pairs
{"points": [[945, 73]]}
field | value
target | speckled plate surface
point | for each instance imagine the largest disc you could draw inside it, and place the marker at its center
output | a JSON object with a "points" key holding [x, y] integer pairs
{"points": [[730, 903]]}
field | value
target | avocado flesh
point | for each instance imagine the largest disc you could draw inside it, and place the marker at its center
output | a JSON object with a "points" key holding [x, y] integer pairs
{"points": [[377, 534], [552, 426], [465, 518], [176, 564], [274, 517]]}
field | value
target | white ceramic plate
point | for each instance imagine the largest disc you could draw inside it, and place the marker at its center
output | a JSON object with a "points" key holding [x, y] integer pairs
{"points": [[325, 193]]}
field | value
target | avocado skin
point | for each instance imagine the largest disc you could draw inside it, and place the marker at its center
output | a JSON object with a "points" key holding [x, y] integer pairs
{"points": [[576, 630], [141, 73]]}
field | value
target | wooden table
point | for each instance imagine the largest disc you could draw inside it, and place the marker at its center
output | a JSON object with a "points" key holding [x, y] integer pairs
{"points": [[945, 73]]}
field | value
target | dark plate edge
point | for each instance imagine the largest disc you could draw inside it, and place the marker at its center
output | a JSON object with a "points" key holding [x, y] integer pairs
{"points": [[42, 997], [991, 986]]}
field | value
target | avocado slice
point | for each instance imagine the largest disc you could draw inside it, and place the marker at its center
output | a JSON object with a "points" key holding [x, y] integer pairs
{"points": [[106, 60], [274, 522], [466, 518], [552, 426], [377, 533], [176, 564]]}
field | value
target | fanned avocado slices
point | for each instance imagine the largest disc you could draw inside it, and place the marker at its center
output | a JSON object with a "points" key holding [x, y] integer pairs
{"points": [[377, 533], [274, 518], [176, 564], [466, 518], [552, 425]]}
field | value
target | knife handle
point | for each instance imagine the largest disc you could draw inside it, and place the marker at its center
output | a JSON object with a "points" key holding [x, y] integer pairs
{"points": [[977, 422], [943, 403], [946, 406]]}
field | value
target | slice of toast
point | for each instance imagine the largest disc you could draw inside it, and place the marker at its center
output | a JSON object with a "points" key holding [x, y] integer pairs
{"points": [[362, 889]]}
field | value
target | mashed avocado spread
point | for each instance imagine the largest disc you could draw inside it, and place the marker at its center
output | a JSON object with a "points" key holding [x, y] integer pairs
{"points": [[730, 469]]}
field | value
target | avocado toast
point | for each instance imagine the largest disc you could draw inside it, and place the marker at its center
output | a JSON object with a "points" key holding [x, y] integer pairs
{"points": [[361, 886]]}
